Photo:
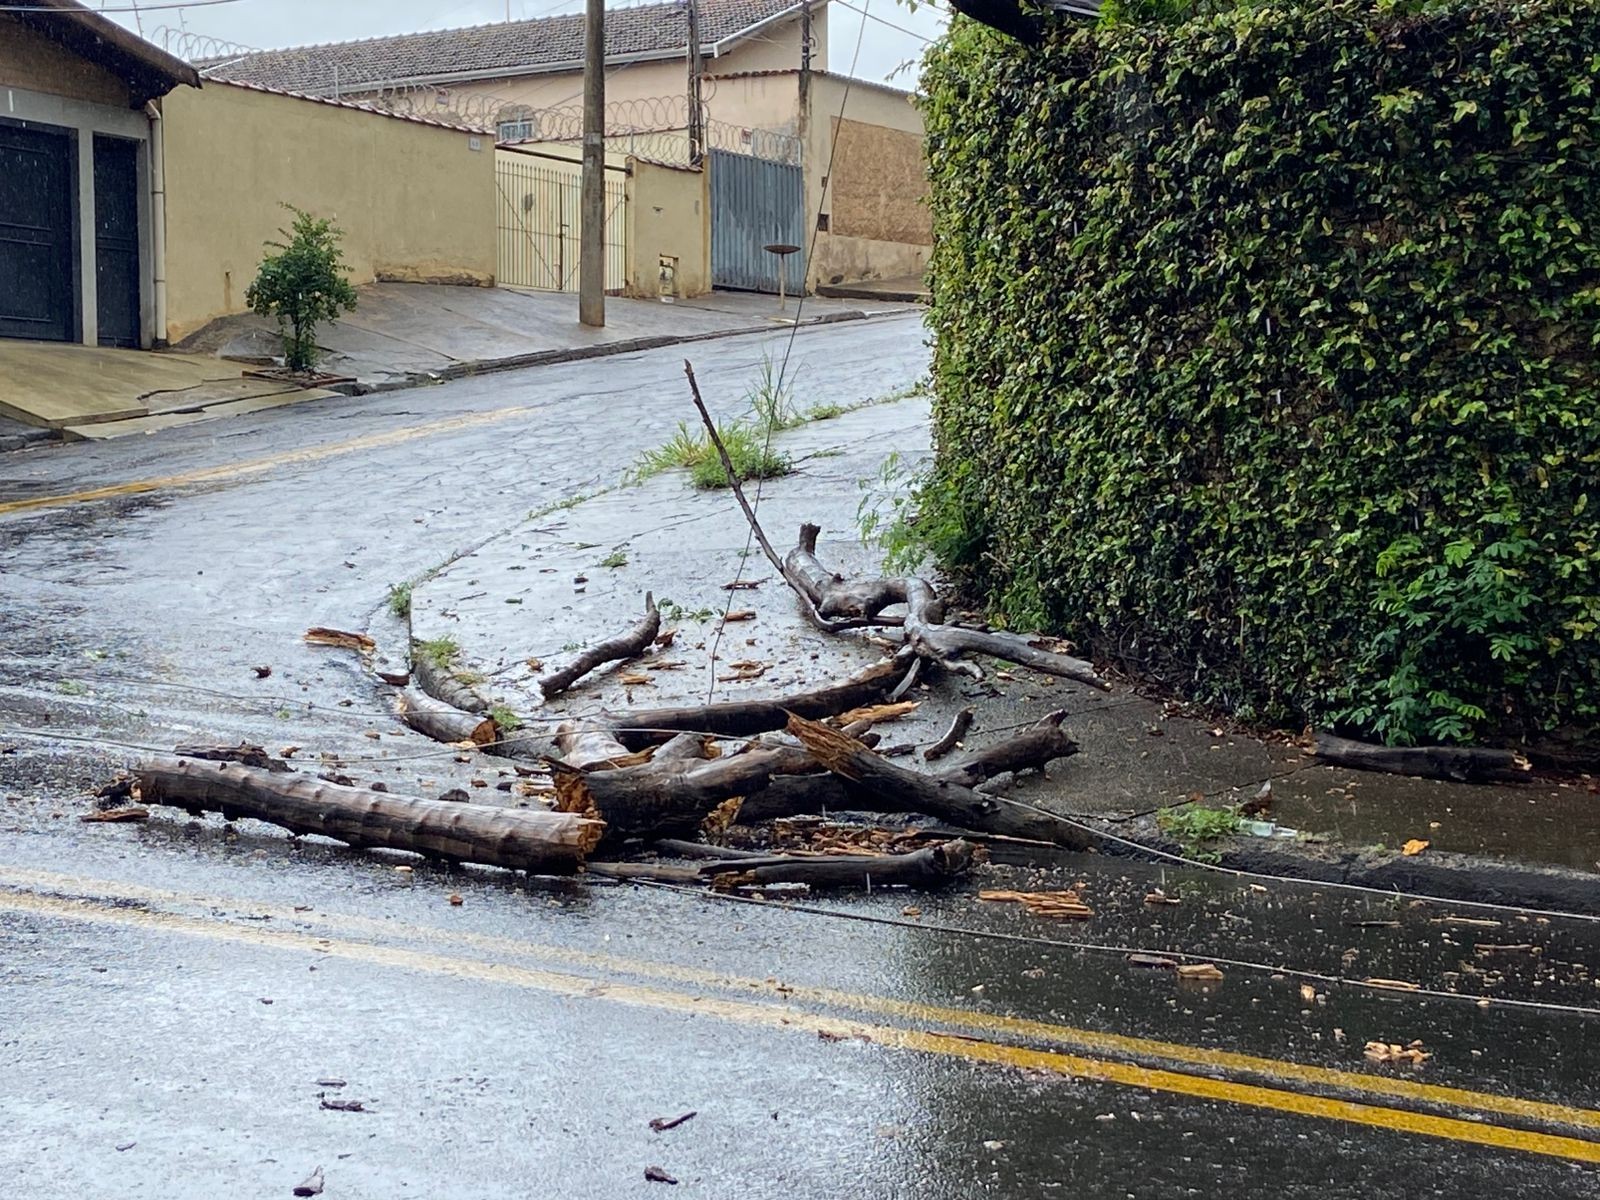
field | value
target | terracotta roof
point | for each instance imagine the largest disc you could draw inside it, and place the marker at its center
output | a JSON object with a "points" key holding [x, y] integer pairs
{"points": [[503, 49], [149, 70]]}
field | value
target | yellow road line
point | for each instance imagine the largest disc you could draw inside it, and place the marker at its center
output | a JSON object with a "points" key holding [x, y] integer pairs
{"points": [[783, 1017], [993, 1024], [256, 466]]}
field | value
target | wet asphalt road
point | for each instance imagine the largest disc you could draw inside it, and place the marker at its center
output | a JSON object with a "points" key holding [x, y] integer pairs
{"points": [[179, 999]]}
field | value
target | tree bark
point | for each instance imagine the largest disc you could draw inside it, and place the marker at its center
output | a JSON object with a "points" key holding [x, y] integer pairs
{"points": [[524, 839], [443, 686], [443, 723], [663, 799], [1028, 750], [745, 718], [630, 644], [930, 867], [1466, 764], [952, 737], [910, 791]]}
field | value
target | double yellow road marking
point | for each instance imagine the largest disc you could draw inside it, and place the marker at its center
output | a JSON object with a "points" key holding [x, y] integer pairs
{"points": [[958, 1034]]}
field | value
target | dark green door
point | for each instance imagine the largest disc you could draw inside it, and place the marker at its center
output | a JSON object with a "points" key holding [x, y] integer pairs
{"points": [[116, 239], [37, 296]]}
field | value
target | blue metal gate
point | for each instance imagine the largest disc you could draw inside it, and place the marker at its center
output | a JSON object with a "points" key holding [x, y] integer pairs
{"points": [[755, 204]]}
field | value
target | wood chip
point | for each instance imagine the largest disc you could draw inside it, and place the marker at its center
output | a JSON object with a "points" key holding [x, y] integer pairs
{"points": [[1411, 1054], [1414, 847], [876, 713], [743, 585], [115, 816], [1485, 949], [1160, 897], [1393, 985], [1469, 922], [1153, 961], [743, 614], [635, 680], [1042, 904], [319, 635], [1199, 971], [657, 1175], [344, 1106]]}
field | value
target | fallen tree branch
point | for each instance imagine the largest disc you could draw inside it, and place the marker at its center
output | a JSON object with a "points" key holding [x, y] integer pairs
{"points": [[444, 723], [897, 789], [931, 867], [661, 799], [745, 718], [634, 642], [524, 839], [952, 737], [834, 596], [1465, 764], [440, 683], [796, 795]]}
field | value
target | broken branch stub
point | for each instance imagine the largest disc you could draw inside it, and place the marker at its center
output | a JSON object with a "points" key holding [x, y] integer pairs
{"points": [[630, 644], [523, 839], [442, 722], [910, 791], [1466, 764]]}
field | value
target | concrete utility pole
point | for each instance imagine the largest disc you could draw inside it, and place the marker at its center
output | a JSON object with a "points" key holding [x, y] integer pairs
{"points": [[592, 229], [697, 133]]}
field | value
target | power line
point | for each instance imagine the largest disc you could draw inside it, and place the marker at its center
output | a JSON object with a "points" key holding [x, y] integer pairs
{"points": [[134, 8]]}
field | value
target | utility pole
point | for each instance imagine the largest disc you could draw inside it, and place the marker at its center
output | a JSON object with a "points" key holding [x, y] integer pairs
{"points": [[592, 228], [697, 132]]}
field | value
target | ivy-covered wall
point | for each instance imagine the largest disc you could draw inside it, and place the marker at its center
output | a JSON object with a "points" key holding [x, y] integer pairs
{"points": [[1265, 354]]}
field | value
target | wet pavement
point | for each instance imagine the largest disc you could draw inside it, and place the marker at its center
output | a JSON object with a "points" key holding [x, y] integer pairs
{"points": [[179, 999]]}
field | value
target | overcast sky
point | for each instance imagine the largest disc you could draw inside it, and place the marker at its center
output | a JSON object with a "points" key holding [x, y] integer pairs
{"points": [[272, 23]]}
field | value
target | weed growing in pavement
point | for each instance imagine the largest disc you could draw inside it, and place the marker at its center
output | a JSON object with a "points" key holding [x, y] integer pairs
{"points": [[438, 652], [617, 558], [1194, 828], [505, 719], [670, 610], [400, 599], [825, 412], [71, 687]]}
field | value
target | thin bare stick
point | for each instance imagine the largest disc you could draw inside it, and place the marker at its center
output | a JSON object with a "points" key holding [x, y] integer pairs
{"points": [[953, 735]]}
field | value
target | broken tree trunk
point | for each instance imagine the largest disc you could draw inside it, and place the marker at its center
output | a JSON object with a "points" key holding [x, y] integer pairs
{"points": [[745, 718], [630, 644], [585, 748], [661, 799], [834, 596], [1465, 764], [930, 867], [795, 795], [441, 683], [909, 791], [525, 839], [444, 723]]}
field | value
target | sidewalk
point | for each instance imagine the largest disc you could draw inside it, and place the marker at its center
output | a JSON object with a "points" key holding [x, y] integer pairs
{"points": [[572, 576], [401, 335]]}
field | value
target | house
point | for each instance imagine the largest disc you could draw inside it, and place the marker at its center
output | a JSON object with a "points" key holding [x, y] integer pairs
{"points": [[80, 206], [771, 120]]}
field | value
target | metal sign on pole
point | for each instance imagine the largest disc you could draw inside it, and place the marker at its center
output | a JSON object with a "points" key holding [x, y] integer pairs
{"points": [[592, 253]]}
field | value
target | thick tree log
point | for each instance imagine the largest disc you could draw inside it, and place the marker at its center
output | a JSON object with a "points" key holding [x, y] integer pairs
{"points": [[1466, 764], [661, 799], [525, 839], [586, 748], [926, 633], [440, 683], [910, 791], [745, 718], [444, 723], [634, 642], [930, 867], [796, 795]]}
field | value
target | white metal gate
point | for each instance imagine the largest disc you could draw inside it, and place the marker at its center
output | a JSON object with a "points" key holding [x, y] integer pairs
{"points": [[541, 197]]}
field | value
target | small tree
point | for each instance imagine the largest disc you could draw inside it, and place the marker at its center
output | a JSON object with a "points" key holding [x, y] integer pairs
{"points": [[302, 286]]}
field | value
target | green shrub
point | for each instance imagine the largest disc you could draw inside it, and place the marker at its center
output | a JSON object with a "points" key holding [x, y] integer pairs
{"points": [[1264, 353], [302, 286]]}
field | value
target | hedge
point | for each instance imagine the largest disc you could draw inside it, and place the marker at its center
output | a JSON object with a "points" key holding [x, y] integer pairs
{"points": [[1264, 354]]}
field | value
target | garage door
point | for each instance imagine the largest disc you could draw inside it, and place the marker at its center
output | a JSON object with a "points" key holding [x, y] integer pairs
{"points": [[36, 294]]}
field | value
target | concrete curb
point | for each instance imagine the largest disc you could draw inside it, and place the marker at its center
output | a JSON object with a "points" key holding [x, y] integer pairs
{"points": [[1434, 873], [27, 438], [543, 358]]}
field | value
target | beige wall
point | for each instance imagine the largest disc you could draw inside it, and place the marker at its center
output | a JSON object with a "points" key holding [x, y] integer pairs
{"points": [[669, 213], [415, 202], [878, 222], [30, 60]]}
